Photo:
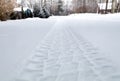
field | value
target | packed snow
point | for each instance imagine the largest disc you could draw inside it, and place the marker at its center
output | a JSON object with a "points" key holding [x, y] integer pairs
{"points": [[78, 47]]}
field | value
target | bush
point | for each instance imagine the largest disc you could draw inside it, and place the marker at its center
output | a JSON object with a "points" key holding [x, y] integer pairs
{"points": [[6, 7]]}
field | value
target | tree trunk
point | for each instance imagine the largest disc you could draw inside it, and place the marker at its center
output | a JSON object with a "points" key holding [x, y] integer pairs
{"points": [[106, 7], [113, 6], [44, 2], [84, 6]]}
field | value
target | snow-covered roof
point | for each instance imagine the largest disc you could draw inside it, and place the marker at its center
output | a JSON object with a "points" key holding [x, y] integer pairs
{"points": [[103, 6], [24, 8]]}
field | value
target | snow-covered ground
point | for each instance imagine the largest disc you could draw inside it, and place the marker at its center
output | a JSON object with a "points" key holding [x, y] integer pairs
{"points": [[79, 47], [17, 40]]}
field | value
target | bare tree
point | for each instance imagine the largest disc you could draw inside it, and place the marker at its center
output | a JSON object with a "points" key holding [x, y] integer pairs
{"points": [[118, 6], [85, 6], [114, 3], [6, 7], [106, 7], [60, 7]]}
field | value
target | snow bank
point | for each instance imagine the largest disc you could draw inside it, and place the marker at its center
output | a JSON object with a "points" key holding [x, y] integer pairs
{"points": [[97, 17]]}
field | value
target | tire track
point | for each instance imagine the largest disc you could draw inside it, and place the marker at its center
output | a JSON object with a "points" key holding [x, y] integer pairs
{"points": [[62, 56], [100, 65]]}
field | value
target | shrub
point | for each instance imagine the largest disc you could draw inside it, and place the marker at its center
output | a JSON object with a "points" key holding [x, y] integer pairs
{"points": [[6, 7]]}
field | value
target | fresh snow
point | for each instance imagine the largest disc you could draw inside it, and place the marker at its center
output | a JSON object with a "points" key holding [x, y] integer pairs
{"points": [[78, 47], [24, 9]]}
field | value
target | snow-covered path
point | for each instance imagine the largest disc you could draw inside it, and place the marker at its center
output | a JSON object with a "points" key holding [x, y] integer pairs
{"points": [[64, 56]]}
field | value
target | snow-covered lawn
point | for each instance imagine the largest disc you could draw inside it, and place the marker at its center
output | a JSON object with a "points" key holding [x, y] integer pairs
{"points": [[79, 47]]}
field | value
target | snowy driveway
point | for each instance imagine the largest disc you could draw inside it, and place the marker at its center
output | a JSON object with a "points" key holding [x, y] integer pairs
{"points": [[67, 51]]}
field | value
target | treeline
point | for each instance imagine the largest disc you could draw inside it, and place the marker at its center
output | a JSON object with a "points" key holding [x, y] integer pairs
{"points": [[38, 8], [46, 8]]}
